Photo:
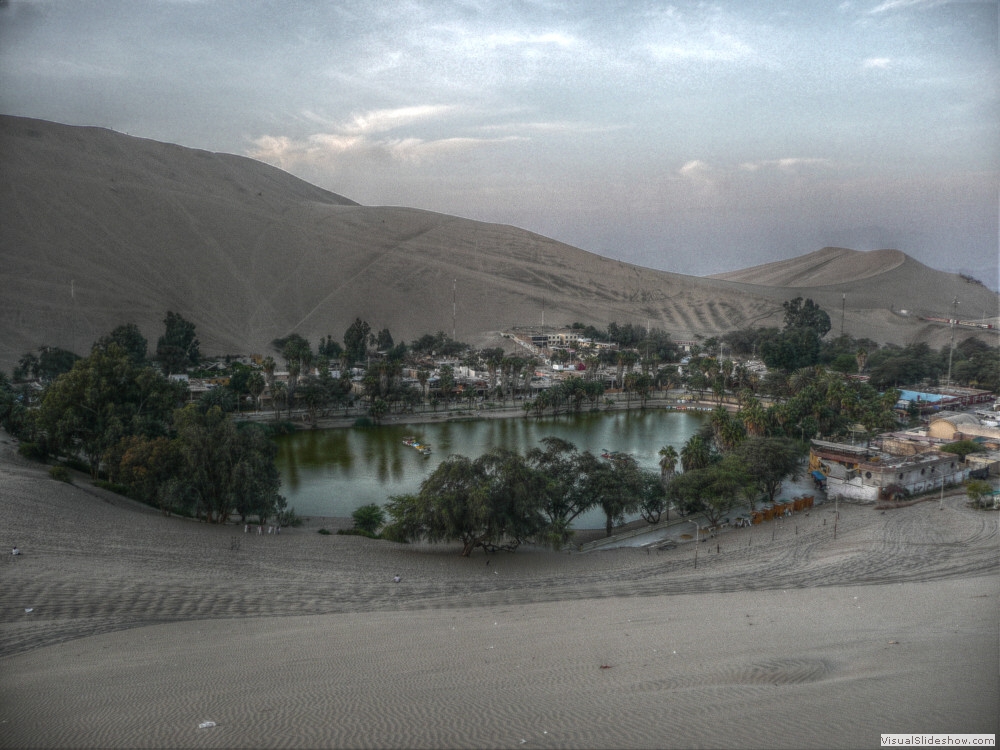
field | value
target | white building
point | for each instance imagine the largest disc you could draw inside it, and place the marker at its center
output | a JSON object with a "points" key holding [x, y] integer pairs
{"points": [[869, 475]]}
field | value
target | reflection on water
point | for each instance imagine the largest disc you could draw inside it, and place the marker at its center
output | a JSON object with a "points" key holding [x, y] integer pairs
{"points": [[333, 472]]}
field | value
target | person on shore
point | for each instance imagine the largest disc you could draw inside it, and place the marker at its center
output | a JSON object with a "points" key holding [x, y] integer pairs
{"points": [[396, 579], [15, 551]]}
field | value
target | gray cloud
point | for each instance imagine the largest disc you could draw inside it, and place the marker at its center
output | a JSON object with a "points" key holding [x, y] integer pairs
{"points": [[690, 136]]}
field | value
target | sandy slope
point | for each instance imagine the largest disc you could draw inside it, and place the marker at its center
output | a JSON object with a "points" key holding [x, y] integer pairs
{"points": [[142, 627], [831, 265], [99, 229]]}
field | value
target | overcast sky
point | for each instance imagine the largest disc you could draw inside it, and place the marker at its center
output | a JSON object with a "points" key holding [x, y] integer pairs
{"points": [[694, 137]]}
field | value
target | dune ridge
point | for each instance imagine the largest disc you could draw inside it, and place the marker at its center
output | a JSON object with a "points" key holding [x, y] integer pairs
{"points": [[99, 229], [829, 266]]}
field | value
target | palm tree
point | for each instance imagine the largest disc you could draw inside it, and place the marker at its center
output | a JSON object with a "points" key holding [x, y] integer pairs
{"points": [[668, 463], [754, 417], [695, 453], [268, 366], [256, 384], [861, 357], [279, 397]]}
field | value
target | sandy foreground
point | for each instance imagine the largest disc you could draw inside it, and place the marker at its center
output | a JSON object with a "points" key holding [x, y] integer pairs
{"points": [[143, 627]]}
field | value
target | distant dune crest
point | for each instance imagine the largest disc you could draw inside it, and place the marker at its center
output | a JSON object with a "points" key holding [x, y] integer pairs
{"points": [[827, 267], [98, 229]]}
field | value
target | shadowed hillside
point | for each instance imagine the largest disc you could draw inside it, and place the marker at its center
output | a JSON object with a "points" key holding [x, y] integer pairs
{"points": [[99, 229]]}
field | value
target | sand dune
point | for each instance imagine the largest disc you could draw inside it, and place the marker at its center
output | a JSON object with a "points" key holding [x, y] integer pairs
{"points": [[99, 229], [829, 266], [142, 627]]}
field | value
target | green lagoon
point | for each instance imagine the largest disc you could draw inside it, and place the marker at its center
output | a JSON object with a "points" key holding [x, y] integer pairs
{"points": [[333, 472]]}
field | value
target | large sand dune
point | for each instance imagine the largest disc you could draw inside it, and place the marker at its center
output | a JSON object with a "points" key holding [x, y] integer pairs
{"points": [[826, 267], [99, 229], [142, 627]]}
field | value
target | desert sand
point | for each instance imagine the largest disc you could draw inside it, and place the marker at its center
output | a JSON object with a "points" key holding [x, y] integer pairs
{"points": [[99, 229], [142, 627]]}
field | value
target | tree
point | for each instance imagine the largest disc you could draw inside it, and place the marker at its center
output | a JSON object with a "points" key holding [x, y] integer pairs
{"points": [[369, 518], [652, 497], [315, 393], [177, 348], [492, 502], [963, 448], [769, 461], [356, 341], [696, 453], [226, 469], [446, 382], [13, 409], [728, 430], [255, 385], [279, 398], [668, 463], [808, 314], [616, 486], [791, 349], [565, 495], [978, 492], [224, 398], [713, 491], [383, 340], [47, 365], [130, 339], [104, 398], [329, 348], [146, 467]]}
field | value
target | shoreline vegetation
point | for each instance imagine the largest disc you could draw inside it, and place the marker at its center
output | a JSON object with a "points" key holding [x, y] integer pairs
{"points": [[807, 634]]}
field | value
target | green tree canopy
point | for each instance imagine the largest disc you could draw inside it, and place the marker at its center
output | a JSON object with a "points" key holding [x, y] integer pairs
{"points": [[226, 469], [492, 502], [177, 348], [963, 448], [129, 338], [769, 461], [714, 490], [356, 340], [104, 398], [807, 314]]}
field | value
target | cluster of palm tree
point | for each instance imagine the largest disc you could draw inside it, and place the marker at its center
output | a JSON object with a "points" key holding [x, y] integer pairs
{"points": [[570, 393], [746, 452]]}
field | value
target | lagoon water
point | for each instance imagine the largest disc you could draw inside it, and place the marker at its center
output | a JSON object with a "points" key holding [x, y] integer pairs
{"points": [[333, 472]]}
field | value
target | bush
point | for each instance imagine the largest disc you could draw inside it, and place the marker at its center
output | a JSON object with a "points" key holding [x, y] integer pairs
{"points": [[77, 465], [368, 518], [394, 532], [357, 532], [61, 473], [289, 518], [324, 532], [119, 489], [271, 429], [33, 451]]}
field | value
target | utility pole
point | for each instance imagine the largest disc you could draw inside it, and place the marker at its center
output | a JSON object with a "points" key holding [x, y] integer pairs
{"points": [[951, 349], [843, 306], [454, 283]]}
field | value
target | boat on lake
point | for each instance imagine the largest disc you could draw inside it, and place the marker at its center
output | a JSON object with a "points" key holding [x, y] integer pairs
{"points": [[423, 448]]}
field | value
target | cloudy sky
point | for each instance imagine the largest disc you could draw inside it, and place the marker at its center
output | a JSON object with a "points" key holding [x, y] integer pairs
{"points": [[694, 137]]}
